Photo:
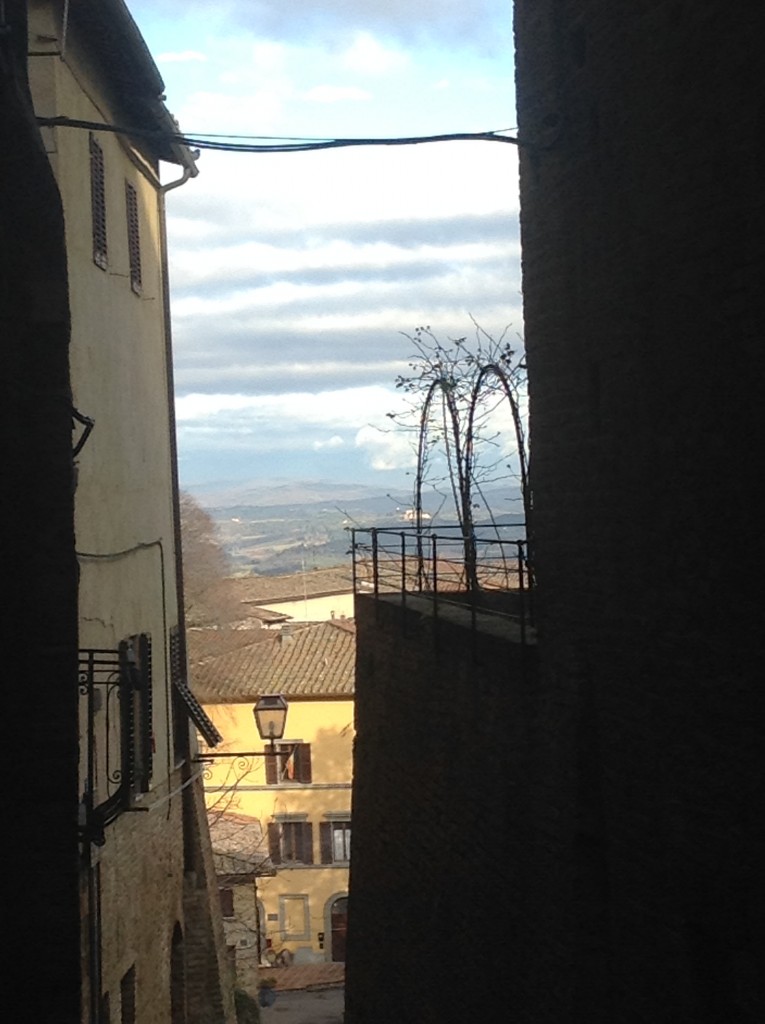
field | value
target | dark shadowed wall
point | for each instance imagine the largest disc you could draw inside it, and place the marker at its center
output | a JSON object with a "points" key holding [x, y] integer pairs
{"points": [[642, 224], [42, 965], [594, 853], [439, 814]]}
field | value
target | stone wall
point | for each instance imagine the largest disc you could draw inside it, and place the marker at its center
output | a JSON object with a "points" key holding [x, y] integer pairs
{"points": [[591, 850], [442, 745], [153, 887], [210, 979], [642, 221]]}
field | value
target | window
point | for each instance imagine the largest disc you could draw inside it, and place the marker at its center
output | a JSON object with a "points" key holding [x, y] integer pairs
{"points": [[292, 763], [226, 902], [290, 842], [294, 918], [335, 837], [134, 237], [135, 662], [98, 204]]}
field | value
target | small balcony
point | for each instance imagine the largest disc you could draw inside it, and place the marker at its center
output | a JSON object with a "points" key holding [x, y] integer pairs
{"points": [[483, 578]]}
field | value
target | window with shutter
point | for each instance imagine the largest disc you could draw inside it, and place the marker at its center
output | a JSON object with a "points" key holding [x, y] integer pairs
{"points": [[98, 204], [291, 763], [291, 842], [135, 660], [134, 237], [226, 902], [275, 842], [335, 842]]}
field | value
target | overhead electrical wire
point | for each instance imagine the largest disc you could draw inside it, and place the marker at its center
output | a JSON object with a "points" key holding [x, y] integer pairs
{"points": [[267, 143]]}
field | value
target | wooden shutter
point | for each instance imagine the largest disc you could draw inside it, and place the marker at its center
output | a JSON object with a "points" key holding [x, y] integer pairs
{"points": [[306, 843], [271, 769], [185, 704], [134, 237], [325, 841], [127, 713], [275, 842], [98, 204], [146, 738], [302, 758]]}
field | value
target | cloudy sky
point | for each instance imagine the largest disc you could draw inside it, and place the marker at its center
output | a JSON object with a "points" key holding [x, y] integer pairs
{"points": [[295, 276]]}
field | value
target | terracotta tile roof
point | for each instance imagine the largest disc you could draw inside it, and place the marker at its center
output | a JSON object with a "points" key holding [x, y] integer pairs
{"points": [[270, 589], [239, 845], [303, 660], [265, 615], [206, 642]]}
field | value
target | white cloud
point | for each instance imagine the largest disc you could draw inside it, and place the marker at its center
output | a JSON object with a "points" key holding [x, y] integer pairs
{"points": [[181, 57], [335, 94], [332, 442], [292, 275], [387, 448], [367, 56], [338, 409]]}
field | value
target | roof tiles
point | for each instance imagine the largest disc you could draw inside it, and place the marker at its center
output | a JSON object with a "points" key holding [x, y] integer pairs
{"points": [[302, 660]]}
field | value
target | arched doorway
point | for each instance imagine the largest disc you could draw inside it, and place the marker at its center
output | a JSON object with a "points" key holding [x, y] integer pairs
{"points": [[338, 915]]}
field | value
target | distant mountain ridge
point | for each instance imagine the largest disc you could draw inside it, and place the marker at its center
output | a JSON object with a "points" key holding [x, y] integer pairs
{"points": [[280, 527], [263, 494]]}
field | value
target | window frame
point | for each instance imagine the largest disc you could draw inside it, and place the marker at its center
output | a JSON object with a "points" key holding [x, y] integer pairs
{"points": [[327, 831], [290, 841], [287, 900], [290, 765]]}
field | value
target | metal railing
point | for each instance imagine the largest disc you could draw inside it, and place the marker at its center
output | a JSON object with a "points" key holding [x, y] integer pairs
{"points": [[487, 570]]}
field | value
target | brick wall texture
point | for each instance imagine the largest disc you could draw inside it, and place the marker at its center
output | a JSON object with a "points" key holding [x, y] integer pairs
{"points": [[605, 864], [442, 739], [642, 221], [156, 882]]}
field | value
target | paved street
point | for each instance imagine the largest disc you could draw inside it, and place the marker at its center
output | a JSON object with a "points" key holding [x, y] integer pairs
{"points": [[320, 1006]]}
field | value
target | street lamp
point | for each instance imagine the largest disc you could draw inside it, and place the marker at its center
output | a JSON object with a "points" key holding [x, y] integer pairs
{"points": [[270, 713]]}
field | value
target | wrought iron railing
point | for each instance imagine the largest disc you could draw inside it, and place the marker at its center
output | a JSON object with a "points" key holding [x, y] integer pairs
{"points": [[104, 692], [487, 570]]}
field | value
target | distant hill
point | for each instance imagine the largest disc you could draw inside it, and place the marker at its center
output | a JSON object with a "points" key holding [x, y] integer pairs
{"points": [[290, 527], [263, 494]]}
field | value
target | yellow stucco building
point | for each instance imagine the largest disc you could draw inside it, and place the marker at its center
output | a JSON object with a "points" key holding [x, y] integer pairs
{"points": [[295, 807]]}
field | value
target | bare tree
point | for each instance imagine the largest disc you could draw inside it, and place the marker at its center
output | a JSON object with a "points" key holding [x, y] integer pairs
{"points": [[465, 412], [206, 571]]}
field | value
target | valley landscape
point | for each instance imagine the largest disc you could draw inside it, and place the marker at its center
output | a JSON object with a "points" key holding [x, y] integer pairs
{"points": [[281, 528]]}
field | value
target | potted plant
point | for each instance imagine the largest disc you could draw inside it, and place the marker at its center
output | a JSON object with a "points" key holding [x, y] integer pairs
{"points": [[267, 991]]}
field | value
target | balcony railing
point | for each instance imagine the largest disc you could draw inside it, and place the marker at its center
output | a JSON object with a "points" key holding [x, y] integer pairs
{"points": [[487, 570]]}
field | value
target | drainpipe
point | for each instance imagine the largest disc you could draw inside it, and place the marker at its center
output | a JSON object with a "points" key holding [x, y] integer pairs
{"points": [[190, 170]]}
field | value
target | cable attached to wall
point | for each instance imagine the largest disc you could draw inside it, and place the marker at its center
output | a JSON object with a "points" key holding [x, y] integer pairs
{"points": [[272, 144]]}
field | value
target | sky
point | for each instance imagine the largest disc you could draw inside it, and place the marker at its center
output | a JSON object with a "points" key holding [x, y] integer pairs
{"points": [[296, 277]]}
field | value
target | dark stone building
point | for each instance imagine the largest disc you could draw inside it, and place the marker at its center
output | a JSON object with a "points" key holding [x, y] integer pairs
{"points": [[642, 222], [626, 807]]}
